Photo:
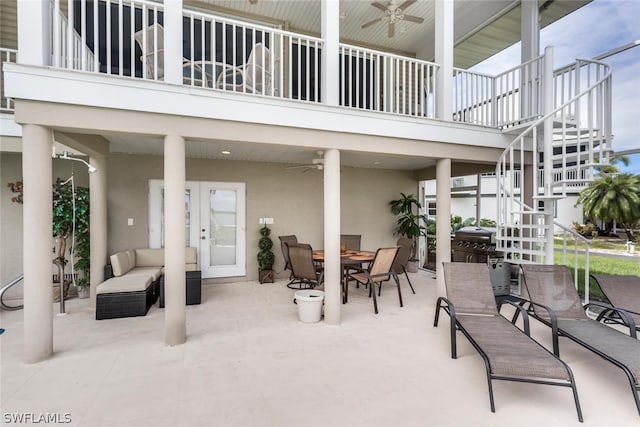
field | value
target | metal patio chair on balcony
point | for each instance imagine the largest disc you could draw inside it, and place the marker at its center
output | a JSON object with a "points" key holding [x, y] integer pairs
{"points": [[153, 57], [252, 77]]}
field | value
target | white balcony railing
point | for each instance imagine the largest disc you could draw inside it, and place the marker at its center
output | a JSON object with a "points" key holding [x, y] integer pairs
{"points": [[507, 99], [68, 48], [6, 55], [126, 38], [379, 81]]}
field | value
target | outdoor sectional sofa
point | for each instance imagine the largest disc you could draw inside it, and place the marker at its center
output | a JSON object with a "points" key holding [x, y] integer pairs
{"points": [[134, 280]]}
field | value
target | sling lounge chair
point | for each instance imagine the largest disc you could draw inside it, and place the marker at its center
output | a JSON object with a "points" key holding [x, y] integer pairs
{"points": [[508, 353], [623, 292], [556, 303]]}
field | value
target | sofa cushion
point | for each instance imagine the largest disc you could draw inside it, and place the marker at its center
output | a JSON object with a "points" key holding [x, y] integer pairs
{"points": [[149, 257], [154, 272], [121, 263], [128, 283]]}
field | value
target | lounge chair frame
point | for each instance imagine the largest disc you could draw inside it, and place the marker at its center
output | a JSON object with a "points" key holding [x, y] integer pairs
{"points": [[610, 314], [448, 307], [557, 329]]}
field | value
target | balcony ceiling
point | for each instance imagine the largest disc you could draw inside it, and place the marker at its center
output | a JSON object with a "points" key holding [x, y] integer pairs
{"points": [[482, 28]]}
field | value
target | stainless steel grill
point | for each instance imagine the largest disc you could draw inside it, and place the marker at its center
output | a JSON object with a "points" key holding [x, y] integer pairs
{"points": [[472, 244]]}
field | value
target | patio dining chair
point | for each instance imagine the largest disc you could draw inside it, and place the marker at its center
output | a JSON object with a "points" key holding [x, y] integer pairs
{"points": [[508, 353], [402, 259], [555, 302], [623, 292], [303, 270], [285, 250], [380, 270]]}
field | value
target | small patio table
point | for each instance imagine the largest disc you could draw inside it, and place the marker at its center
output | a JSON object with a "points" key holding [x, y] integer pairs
{"points": [[348, 259]]}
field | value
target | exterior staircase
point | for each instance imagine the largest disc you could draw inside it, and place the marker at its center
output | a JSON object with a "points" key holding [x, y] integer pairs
{"points": [[555, 152]]}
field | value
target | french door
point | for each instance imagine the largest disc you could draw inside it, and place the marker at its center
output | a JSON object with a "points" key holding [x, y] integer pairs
{"points": [[214, 221]]}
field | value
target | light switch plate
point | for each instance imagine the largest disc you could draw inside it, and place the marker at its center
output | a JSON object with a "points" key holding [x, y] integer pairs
{"points": [[129, 221]]}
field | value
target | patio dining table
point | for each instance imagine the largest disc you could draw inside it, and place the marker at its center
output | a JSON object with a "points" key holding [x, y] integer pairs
{"points": [[348, 259]]}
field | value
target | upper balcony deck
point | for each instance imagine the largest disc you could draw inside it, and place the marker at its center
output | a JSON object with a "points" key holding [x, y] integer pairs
{"points": [[126, 39]]}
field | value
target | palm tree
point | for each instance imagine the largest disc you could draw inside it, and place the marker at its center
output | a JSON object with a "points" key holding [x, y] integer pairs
{"points": [[614, 197], [613, 161]]}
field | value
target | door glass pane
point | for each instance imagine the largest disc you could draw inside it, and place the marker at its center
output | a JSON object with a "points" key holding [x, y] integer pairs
{"points": [[223, 224], [187, 219]]}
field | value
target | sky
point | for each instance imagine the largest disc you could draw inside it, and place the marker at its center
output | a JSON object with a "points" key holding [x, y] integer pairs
{"points": [[596, 28]]}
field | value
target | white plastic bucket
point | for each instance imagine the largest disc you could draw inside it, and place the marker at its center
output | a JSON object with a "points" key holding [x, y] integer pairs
{"points": [[309, 303]]}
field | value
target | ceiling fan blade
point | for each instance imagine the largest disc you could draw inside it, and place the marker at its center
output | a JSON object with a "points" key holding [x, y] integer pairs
{"points": [[411, 18], [392, 29], [301, 167], [370, 23], [406, 4], [379, 6]]}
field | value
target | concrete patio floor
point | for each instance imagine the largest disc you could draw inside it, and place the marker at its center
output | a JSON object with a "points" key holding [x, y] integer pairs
{"points": [[248, 361]]}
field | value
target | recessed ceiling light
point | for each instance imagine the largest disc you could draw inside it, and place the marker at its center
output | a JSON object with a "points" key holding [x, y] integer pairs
{"points": [[225, 152], [376, 163]]}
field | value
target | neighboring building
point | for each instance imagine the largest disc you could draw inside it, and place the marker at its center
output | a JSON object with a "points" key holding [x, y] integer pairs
{"points": [[227, 98], [464, 199]]}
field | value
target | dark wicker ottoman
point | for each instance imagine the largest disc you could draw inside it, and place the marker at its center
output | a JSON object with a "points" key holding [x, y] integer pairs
{"points": [[194, 288], [124, 304]]}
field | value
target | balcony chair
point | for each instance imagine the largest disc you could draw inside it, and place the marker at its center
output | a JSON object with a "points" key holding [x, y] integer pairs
{"points": [[623, 292], [555, 302], [200, 77], [285, 250], [252, 77], [303, 270], [507, 352], [380, 270]]}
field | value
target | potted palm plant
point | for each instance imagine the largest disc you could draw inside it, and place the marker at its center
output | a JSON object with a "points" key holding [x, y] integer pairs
{"points": [[266, 257], [410, 223]]}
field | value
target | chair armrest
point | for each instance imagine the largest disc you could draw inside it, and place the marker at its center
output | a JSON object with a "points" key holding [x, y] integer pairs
{"points": [[625, 314], [523, 312], [108, 272], [553, 321]]}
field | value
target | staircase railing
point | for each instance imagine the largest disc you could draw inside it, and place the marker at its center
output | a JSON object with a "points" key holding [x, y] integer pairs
{"points": [[4, 289], [566, 143]]}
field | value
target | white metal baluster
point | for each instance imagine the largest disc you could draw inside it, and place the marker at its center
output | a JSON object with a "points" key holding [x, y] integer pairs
{"points": [[108, 25], [120, 38], [70, 24], [145, 47], [132, 42], [96, 45], [308, 70], [224, 54], [203, 54], [83, 35], [214, 56], [56, 33]]}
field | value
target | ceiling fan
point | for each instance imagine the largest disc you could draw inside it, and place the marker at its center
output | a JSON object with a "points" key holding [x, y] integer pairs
{"points": [[394, 12], [317, 163]]}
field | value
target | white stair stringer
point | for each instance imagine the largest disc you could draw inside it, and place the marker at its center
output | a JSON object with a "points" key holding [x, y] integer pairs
{"points": [[578, 140]]}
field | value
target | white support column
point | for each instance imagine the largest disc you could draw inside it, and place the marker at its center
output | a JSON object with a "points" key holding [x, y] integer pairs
{"points": [[175, 313], [443, 221], [444, 58], [529, 30], [97, 222], [548, 153], [37, 142], [331, 52], [173, 41], [34, 33], [332, 267]]}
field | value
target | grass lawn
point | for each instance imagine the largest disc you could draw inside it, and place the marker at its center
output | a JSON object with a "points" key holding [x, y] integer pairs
{"points": [[600, 265]]}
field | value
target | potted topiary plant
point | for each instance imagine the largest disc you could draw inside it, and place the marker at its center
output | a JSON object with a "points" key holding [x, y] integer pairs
{"points": [[410, 223], [265, 256]]}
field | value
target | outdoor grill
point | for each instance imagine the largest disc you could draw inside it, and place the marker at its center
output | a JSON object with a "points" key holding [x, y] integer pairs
{"points": [[471, 244], [478, 245]]}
